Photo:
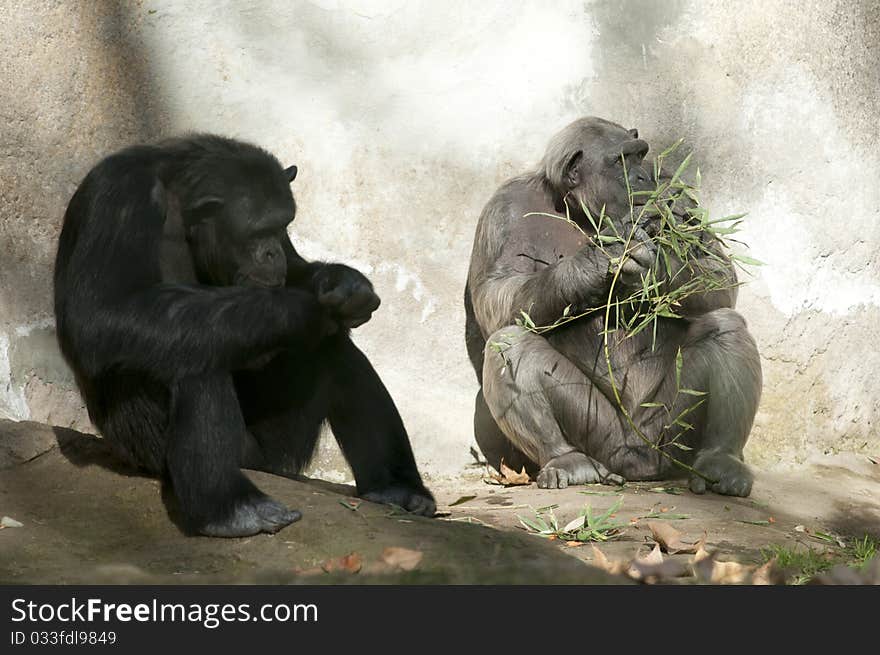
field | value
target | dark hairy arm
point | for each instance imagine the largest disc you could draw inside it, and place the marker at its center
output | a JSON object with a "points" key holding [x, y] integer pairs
{"points": [[198, 328]]}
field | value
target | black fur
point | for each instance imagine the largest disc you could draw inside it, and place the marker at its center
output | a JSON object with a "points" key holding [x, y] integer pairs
{"points": [[202, 342]]}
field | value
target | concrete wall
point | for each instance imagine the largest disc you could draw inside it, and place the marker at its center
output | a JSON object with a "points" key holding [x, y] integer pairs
{"points": [[404, 116]]}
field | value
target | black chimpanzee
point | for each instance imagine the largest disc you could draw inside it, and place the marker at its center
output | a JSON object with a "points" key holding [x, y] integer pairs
{"points": [[546, 401], [202, 342]]}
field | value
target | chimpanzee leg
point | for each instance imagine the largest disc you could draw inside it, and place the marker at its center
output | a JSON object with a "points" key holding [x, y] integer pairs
{"points": [[494, 444], [204, 444], [546, 405], [720, 356], [370, 432]]}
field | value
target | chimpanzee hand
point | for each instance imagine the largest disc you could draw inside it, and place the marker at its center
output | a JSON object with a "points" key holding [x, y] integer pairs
{"points": [[346, 294], [634, 263]]}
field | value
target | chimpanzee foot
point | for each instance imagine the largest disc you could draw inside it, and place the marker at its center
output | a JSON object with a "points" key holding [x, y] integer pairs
{"points": [[732, 477], [575, 468], [415, 501], [250, 516]]}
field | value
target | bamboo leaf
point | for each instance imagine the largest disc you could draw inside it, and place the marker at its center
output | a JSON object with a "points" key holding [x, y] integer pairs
{"points": [[693, 392], [678, 364], [746, 260]]}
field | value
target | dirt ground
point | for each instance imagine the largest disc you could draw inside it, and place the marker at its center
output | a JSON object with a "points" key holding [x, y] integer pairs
{"points": [[86, 519], [832, 500]]}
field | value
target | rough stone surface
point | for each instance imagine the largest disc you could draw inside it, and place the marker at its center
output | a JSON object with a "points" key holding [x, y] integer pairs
{"points": [[86, 519], [23, 441], [404, 116], [830, 494]]}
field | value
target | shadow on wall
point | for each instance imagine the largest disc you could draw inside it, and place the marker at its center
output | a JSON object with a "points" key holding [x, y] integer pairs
{"points": [[90, 91]]}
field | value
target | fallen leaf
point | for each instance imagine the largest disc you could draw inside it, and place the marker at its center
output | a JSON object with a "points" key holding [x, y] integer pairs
{"points": [[402, 558], [9, 522], [312, 570], [765, 522], [701, 553], [799, 528], [350, 563], [351, 503], [675, 491], [770, 519], [574, 544], [600, 558], [710, 571], [462, 500], [507, 477], [768, 574], [830, 537], [729, 573], [654, 557], [669, 539], [666, 570], [615, 567]]}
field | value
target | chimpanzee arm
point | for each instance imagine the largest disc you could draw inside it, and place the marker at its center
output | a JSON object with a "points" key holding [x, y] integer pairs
{"points": [[542, 285], [190, 330], [343, 291], [299, 271]]}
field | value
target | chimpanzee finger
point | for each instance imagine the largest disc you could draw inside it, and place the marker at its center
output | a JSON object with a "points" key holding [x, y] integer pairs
{"points": [[360, 303], [356, 321], [643, 255], [333, 298], [631, 269]]}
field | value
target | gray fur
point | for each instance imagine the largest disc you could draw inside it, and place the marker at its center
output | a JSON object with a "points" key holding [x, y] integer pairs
{"points": [[547, 400]]}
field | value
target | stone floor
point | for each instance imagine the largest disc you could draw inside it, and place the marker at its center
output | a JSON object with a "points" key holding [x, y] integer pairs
{"points": [[86, 519]]}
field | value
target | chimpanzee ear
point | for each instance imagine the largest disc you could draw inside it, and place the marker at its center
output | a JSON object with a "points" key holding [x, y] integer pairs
{"points": [[572, 176], [290, 173], [634, 133]]}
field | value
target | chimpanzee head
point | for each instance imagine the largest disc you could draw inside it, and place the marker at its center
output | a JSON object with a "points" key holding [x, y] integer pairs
{"points": [[235, 203], [588, 163]]}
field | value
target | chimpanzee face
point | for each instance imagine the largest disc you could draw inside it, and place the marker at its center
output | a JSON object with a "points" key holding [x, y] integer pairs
{"points": [[237, 229], [602, 174]]}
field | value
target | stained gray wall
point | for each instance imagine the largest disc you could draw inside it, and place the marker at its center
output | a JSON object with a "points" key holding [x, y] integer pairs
{"points": [[404, 116]]}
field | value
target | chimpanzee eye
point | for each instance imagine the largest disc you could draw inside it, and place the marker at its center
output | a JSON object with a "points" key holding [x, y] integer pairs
{"points": [[204, 209]]}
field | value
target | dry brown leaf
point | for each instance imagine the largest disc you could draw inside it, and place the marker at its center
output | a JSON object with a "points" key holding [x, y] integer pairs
{"points": [[402, 558], [701, 553], [574, 544], [600, 558], [730, 573], [667, 570], [654, 557], [669, 539], [768, 574], [312, 570], [615, 567], [350, 563], [508, 477]]}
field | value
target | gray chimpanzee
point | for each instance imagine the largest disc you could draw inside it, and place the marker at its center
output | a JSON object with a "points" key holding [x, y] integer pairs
{"points": [[546, 401], [202, 342]]}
